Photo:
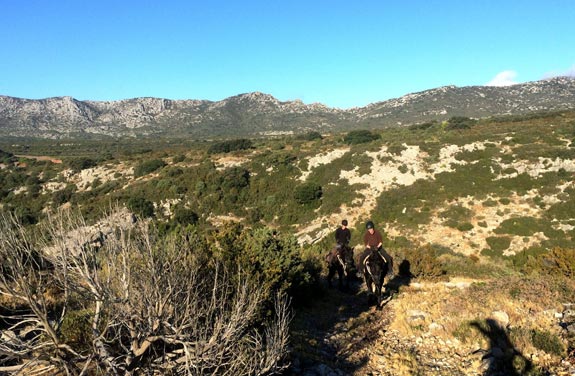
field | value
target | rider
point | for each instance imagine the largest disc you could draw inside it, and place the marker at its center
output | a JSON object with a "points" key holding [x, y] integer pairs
{"points": [[373, 242], [372, 238], [343, 235]]}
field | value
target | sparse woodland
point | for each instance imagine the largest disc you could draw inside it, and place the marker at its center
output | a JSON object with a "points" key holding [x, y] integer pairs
{"points": [[196, 258]]}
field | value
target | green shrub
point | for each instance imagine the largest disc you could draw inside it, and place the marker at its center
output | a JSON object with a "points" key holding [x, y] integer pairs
{"points": [[235, 177], [422, 262], [147, 167], [310, 136], [557, 261], [489, 203], [229, 146], [403, 169], [460, 122], [76, 329], [64, 195], [307, 193], [396, 149], [275, 260], [26, 215], [423, 126], [498, 243], [79, 164], [522, 226], [141, 207], [548, 342], [456, 215], [184, 216], [360, 137], [6, 157], [179, 158], [465, 226]]}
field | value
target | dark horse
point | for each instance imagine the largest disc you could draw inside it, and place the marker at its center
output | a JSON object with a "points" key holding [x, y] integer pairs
{"points": [[376, 264], [340, 260]]}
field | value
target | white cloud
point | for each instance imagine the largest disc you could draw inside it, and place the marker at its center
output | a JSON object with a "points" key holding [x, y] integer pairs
{"points": [[505, 78]]}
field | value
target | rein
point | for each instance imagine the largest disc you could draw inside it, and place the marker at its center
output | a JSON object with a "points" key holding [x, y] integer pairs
{"points": [[383, 258], [366, 264], [342, 264]]}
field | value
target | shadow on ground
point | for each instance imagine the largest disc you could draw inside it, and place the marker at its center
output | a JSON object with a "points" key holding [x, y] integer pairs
{"points": [[327, 335], [502, 358], [319, 332]]}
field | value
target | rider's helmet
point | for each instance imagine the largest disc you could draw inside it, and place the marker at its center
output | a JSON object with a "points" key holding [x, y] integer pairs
{"points": [[369, 225]]}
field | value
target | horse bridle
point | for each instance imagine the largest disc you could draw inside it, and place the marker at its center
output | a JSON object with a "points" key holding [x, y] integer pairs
{"points": [[365, 263]]}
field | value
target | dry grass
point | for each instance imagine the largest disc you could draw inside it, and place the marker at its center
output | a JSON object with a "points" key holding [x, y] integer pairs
{"points": [[448, 311]]}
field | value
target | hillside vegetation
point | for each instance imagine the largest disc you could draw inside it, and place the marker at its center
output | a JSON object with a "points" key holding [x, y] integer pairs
{"points": [[479, 215]]}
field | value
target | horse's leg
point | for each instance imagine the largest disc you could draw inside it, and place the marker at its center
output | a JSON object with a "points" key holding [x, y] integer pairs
{"points": [[378, 285], [369, 284], [348, 277], [330, 275], [340, 275]]}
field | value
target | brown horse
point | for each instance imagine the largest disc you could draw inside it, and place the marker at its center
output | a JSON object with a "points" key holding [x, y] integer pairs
{"points": [[340, 260]]}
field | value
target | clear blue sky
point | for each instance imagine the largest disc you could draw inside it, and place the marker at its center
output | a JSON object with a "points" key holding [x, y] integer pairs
{"points": [[339, 53]]}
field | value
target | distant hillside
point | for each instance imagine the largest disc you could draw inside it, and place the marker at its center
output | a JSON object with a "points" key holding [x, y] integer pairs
{"points": [[258, 114]]}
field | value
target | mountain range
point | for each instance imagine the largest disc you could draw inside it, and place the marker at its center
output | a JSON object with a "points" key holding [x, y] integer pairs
{"points": [[259, 114]]}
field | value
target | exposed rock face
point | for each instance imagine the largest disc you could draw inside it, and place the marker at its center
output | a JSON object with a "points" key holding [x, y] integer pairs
{"points": [[261, 114]]}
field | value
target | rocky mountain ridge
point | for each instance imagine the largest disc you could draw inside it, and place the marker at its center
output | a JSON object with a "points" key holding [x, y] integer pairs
{"points": [[256, 114]]}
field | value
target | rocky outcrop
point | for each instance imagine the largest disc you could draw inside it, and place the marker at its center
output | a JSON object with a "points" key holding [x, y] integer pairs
{"points": [[257, 113]]}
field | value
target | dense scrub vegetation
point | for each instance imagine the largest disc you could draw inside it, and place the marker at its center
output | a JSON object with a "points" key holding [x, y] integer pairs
{"points": [[214, 203], [229, 146]]}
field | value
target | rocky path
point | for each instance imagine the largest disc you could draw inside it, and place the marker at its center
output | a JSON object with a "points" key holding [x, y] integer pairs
{"points": [[341, 335]]}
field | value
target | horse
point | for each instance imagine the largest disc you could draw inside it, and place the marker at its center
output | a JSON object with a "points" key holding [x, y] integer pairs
{"points": [[340, 260], [376, 264]]}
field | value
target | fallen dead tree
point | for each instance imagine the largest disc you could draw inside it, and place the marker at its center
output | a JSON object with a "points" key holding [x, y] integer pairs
{"points": [[135, 304]]}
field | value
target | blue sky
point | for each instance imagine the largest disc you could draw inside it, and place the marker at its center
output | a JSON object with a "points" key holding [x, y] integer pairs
{"points": [[339, 53]]}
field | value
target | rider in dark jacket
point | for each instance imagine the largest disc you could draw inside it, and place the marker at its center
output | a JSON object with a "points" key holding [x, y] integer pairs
{"points": [[342, 234]]}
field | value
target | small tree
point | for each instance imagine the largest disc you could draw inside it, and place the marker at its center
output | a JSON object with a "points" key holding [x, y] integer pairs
{"points": [[360, 137], [307, 193], [147, 167], [140, 206]]}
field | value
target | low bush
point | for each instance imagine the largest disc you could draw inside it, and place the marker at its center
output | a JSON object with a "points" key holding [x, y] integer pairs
{"points": [[548, 342], [141, 207], [498, 243], [147, 167], [558, 261], [229, 146], [360, 137], [522, 226], [79, 164], [460, 122], [310, 136], [307, 193], [184, 216], [421, 262]]}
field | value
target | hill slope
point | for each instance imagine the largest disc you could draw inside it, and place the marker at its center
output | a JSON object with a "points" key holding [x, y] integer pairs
{"points": [[256, 114], [482, 216]]}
